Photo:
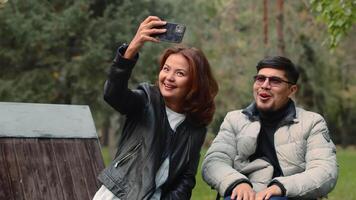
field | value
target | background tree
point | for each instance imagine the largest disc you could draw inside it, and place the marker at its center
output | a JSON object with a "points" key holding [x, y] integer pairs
{"points": [[232, 35], [58, 52], [265, 23], [279, 26]]}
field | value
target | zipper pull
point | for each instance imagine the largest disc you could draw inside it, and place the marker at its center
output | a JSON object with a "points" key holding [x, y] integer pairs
{"points": [[116, 164]]}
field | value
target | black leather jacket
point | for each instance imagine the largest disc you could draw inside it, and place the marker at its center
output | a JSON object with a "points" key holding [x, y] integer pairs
{"points": [[144, 140]]}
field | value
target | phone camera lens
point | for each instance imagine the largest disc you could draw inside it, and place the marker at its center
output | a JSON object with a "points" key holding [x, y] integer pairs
{"points": [[179, 29]]}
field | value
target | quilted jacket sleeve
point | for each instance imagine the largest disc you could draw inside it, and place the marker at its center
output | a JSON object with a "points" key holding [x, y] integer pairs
{"points": [[217, 168], [321, 172]]}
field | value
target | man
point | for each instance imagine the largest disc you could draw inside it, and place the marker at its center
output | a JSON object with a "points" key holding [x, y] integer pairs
{"points": [[272, 149]]}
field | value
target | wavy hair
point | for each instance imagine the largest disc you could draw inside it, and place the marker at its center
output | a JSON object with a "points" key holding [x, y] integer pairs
{"points": [[199, 104]]}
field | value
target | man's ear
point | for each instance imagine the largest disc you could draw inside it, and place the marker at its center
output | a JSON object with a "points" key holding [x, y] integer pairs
{"points": [[292, 89]]}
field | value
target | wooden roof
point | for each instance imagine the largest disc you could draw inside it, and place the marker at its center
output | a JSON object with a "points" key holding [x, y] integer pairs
{"points": [[36, 162]]}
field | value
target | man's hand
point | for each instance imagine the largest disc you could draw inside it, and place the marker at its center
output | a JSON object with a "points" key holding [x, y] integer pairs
{"points": [[243, 191], [265, 194]]}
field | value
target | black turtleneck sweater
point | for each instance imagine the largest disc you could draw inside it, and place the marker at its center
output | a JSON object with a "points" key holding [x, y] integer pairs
{"points": [[270, 122]]}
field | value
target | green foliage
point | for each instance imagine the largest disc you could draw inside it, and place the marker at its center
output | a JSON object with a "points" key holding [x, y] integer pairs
{"points": [[58, 52], [339, 15]]}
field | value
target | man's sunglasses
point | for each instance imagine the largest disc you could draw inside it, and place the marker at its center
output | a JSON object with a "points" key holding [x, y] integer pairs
{"points": [[273, 80]]}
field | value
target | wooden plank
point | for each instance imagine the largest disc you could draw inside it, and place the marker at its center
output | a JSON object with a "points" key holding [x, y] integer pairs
{"points": [[38, 164], [50, 169], [78, 174], [26, 159], [15, 176], [63, 168], [5, 182], [96, 158], [86, 165]]}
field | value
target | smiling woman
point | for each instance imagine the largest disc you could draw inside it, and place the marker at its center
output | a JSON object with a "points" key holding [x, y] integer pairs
{"points": [[159, 148], [187, 66], [174, 81]]}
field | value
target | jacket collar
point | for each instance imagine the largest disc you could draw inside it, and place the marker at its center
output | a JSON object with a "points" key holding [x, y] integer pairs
{"points": [[252, 113]]}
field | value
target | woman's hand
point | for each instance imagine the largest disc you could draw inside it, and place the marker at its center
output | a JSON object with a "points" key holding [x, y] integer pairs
{"points": [[144, 33]]}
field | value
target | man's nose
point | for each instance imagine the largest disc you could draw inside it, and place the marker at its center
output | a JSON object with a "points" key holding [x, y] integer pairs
{"points": [[266, 84]]}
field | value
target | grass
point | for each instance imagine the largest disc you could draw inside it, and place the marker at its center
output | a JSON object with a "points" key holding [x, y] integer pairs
{"points": [[345, 187]]}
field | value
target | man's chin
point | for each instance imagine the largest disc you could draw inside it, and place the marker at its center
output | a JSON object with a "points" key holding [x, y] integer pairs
{"points": [[264, 107]]}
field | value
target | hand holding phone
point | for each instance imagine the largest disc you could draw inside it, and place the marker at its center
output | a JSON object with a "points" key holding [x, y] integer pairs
{"points": [[174, 33], [152, 30]]}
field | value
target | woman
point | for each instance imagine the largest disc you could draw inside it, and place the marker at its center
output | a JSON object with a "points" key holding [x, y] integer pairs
{"points": [[159, 149]]}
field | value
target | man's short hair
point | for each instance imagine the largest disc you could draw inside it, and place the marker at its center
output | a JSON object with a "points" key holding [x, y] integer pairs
{"points": [[282, 63]]}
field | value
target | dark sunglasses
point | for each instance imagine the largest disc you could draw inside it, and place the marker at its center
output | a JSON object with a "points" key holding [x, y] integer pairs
{"points": [[273, 80]]}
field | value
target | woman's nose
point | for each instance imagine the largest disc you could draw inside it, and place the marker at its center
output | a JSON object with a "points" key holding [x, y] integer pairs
{"points": [[170, 76]]}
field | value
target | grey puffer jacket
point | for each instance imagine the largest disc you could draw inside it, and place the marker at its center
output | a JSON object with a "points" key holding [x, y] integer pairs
{"points": [[305, 152]]}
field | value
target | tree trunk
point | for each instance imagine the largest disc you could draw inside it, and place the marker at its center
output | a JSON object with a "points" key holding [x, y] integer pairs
{"points": [[265, 25], [116, 125], [279, 25], [105, 127]]}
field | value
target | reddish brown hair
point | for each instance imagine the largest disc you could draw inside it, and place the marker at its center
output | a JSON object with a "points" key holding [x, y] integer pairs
{"points": [[199, 103]]}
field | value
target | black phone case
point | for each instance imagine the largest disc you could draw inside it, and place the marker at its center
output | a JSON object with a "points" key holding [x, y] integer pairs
{"points": [[175, 33]]}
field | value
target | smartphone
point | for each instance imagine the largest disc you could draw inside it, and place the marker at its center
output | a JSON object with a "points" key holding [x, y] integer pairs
{"points": [[174, 33]]}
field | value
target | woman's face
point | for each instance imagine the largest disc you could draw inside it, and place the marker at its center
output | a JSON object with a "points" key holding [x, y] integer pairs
{"points": [[173, 80]]}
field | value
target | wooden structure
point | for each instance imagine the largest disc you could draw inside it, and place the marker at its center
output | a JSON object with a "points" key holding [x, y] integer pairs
{"points": [[48, 151]]}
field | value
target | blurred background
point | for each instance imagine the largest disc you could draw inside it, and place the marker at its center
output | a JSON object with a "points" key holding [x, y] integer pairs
{"points": [[59, 51]]}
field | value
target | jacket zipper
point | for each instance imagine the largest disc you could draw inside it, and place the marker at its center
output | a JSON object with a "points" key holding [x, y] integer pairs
{"points": [[127, 156]]}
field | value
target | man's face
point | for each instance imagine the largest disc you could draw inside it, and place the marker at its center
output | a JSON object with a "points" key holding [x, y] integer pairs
{"points": [[271, 94]]}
